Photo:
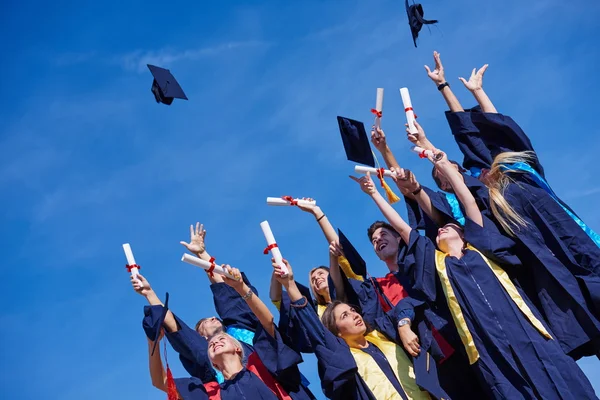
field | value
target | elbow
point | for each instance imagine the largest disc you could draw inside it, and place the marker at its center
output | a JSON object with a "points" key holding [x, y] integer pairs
{"points": [[160, 384]]}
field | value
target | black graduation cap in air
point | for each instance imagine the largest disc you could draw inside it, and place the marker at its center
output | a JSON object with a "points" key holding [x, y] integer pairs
{"points": [[415, 19], [153, 321], [356, 142], [165, 87], [356, 262]]}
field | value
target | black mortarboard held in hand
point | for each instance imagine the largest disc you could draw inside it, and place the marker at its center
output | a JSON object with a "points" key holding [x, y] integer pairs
{"points": [[415, 19], [165, 87], [153, 321]]}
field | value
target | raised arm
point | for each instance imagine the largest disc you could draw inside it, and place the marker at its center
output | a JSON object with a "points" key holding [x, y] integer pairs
{"points": [[197, 246], [461, 190], [380, 142], [439, 79], [158, 374], [367, 186], [142, 287], [254, 302], [475, 86], [322, 220], [275, 291]]}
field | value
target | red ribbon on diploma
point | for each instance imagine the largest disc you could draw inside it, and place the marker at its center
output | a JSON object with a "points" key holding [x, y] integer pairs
{"points": [[269, 248], [380, 172], [377, 113], [407, 109], [422, 154], [212, 267], [130, 267], [291, 200]]}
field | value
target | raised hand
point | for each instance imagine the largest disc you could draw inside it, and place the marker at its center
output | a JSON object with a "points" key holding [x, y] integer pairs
{"points": [[476, 80], [419, 138], [141, 285], [405, 180], [335, 249], [197, 235], [378, 138], [284, 280], [307, 208], [238, 283], [410, 341], [366, 184], [437, 75]]}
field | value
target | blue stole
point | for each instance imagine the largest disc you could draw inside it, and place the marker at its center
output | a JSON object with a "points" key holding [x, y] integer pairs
{"points": [[541, 182], [455, 206], [243, 335]]}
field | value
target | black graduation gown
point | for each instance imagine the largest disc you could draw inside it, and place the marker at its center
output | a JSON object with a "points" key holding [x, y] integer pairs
{"points": [[515, 360], [339, 375]]}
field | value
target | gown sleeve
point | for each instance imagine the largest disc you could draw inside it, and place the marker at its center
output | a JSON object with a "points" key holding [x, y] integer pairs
{"points": [[191, 389], [337, 368], [231, 308], [468, 138], [193, 351], [419, 265], [501, 133]]}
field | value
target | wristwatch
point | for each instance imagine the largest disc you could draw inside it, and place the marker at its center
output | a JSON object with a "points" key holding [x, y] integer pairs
{"points": [[403, 321]]}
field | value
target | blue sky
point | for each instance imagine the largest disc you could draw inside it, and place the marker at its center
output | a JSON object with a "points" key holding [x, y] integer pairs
{"points": [[90, 161]]}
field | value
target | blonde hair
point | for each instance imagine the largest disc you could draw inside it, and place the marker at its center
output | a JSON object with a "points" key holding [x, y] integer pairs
{"points": [[319, 298], [236, 343], [497, 180]]}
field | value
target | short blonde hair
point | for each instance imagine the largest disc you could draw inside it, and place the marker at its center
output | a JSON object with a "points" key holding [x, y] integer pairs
{"points": [[236, 344]]}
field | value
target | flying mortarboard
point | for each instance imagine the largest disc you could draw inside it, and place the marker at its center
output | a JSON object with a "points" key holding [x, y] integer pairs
{"points": [[415, 19], [165, 87], [356, 142], [358, 149]]}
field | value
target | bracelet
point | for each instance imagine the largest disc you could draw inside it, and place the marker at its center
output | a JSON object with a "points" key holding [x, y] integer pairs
{"points": [[321, 217], [248, 295], [301, 305], [416, 192], [443, 85]]}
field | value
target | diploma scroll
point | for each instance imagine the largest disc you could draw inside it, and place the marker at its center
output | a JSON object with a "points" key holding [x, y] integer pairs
{"points": [[131, 265], [423, 153], [359, 169], [272, 246], [378, 108], [408, 109], [279, 201], [206, 265]]}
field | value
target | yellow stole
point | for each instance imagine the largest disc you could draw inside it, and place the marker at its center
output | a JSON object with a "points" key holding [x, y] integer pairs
{"points": [[375, 378], [455, 310], [345, 266]]}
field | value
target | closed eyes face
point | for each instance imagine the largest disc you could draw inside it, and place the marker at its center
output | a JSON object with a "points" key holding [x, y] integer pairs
{"points": [[447, 233], [384, 243], [220, 344], [209, 327], [348, 321], [318, 280]]}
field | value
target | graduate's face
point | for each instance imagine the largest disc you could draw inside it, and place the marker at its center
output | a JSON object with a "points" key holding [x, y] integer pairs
{"points": [[318, 281], [221, 344], [484, 175], [349, 323], [209, 326], [385, 243], [447, 235]]}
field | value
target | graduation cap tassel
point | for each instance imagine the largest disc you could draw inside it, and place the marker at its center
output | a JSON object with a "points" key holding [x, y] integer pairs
{"points": [[391, 196]]}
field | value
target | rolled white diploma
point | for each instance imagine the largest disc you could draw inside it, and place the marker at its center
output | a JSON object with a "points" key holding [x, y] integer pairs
{"points": [[274, 249], [378, 107], [359, 169], [424, 153], [198, 262], [410, 114], [278, 201], [130, 259]]}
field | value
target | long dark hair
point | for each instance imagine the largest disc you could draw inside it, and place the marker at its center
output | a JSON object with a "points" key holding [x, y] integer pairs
{"points": [[328, 317]]}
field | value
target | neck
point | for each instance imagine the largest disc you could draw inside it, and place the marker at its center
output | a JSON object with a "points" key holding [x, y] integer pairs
{"points": [[358, 342], [455, 249], [392, 263], [230, 366], [326, 296]]}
